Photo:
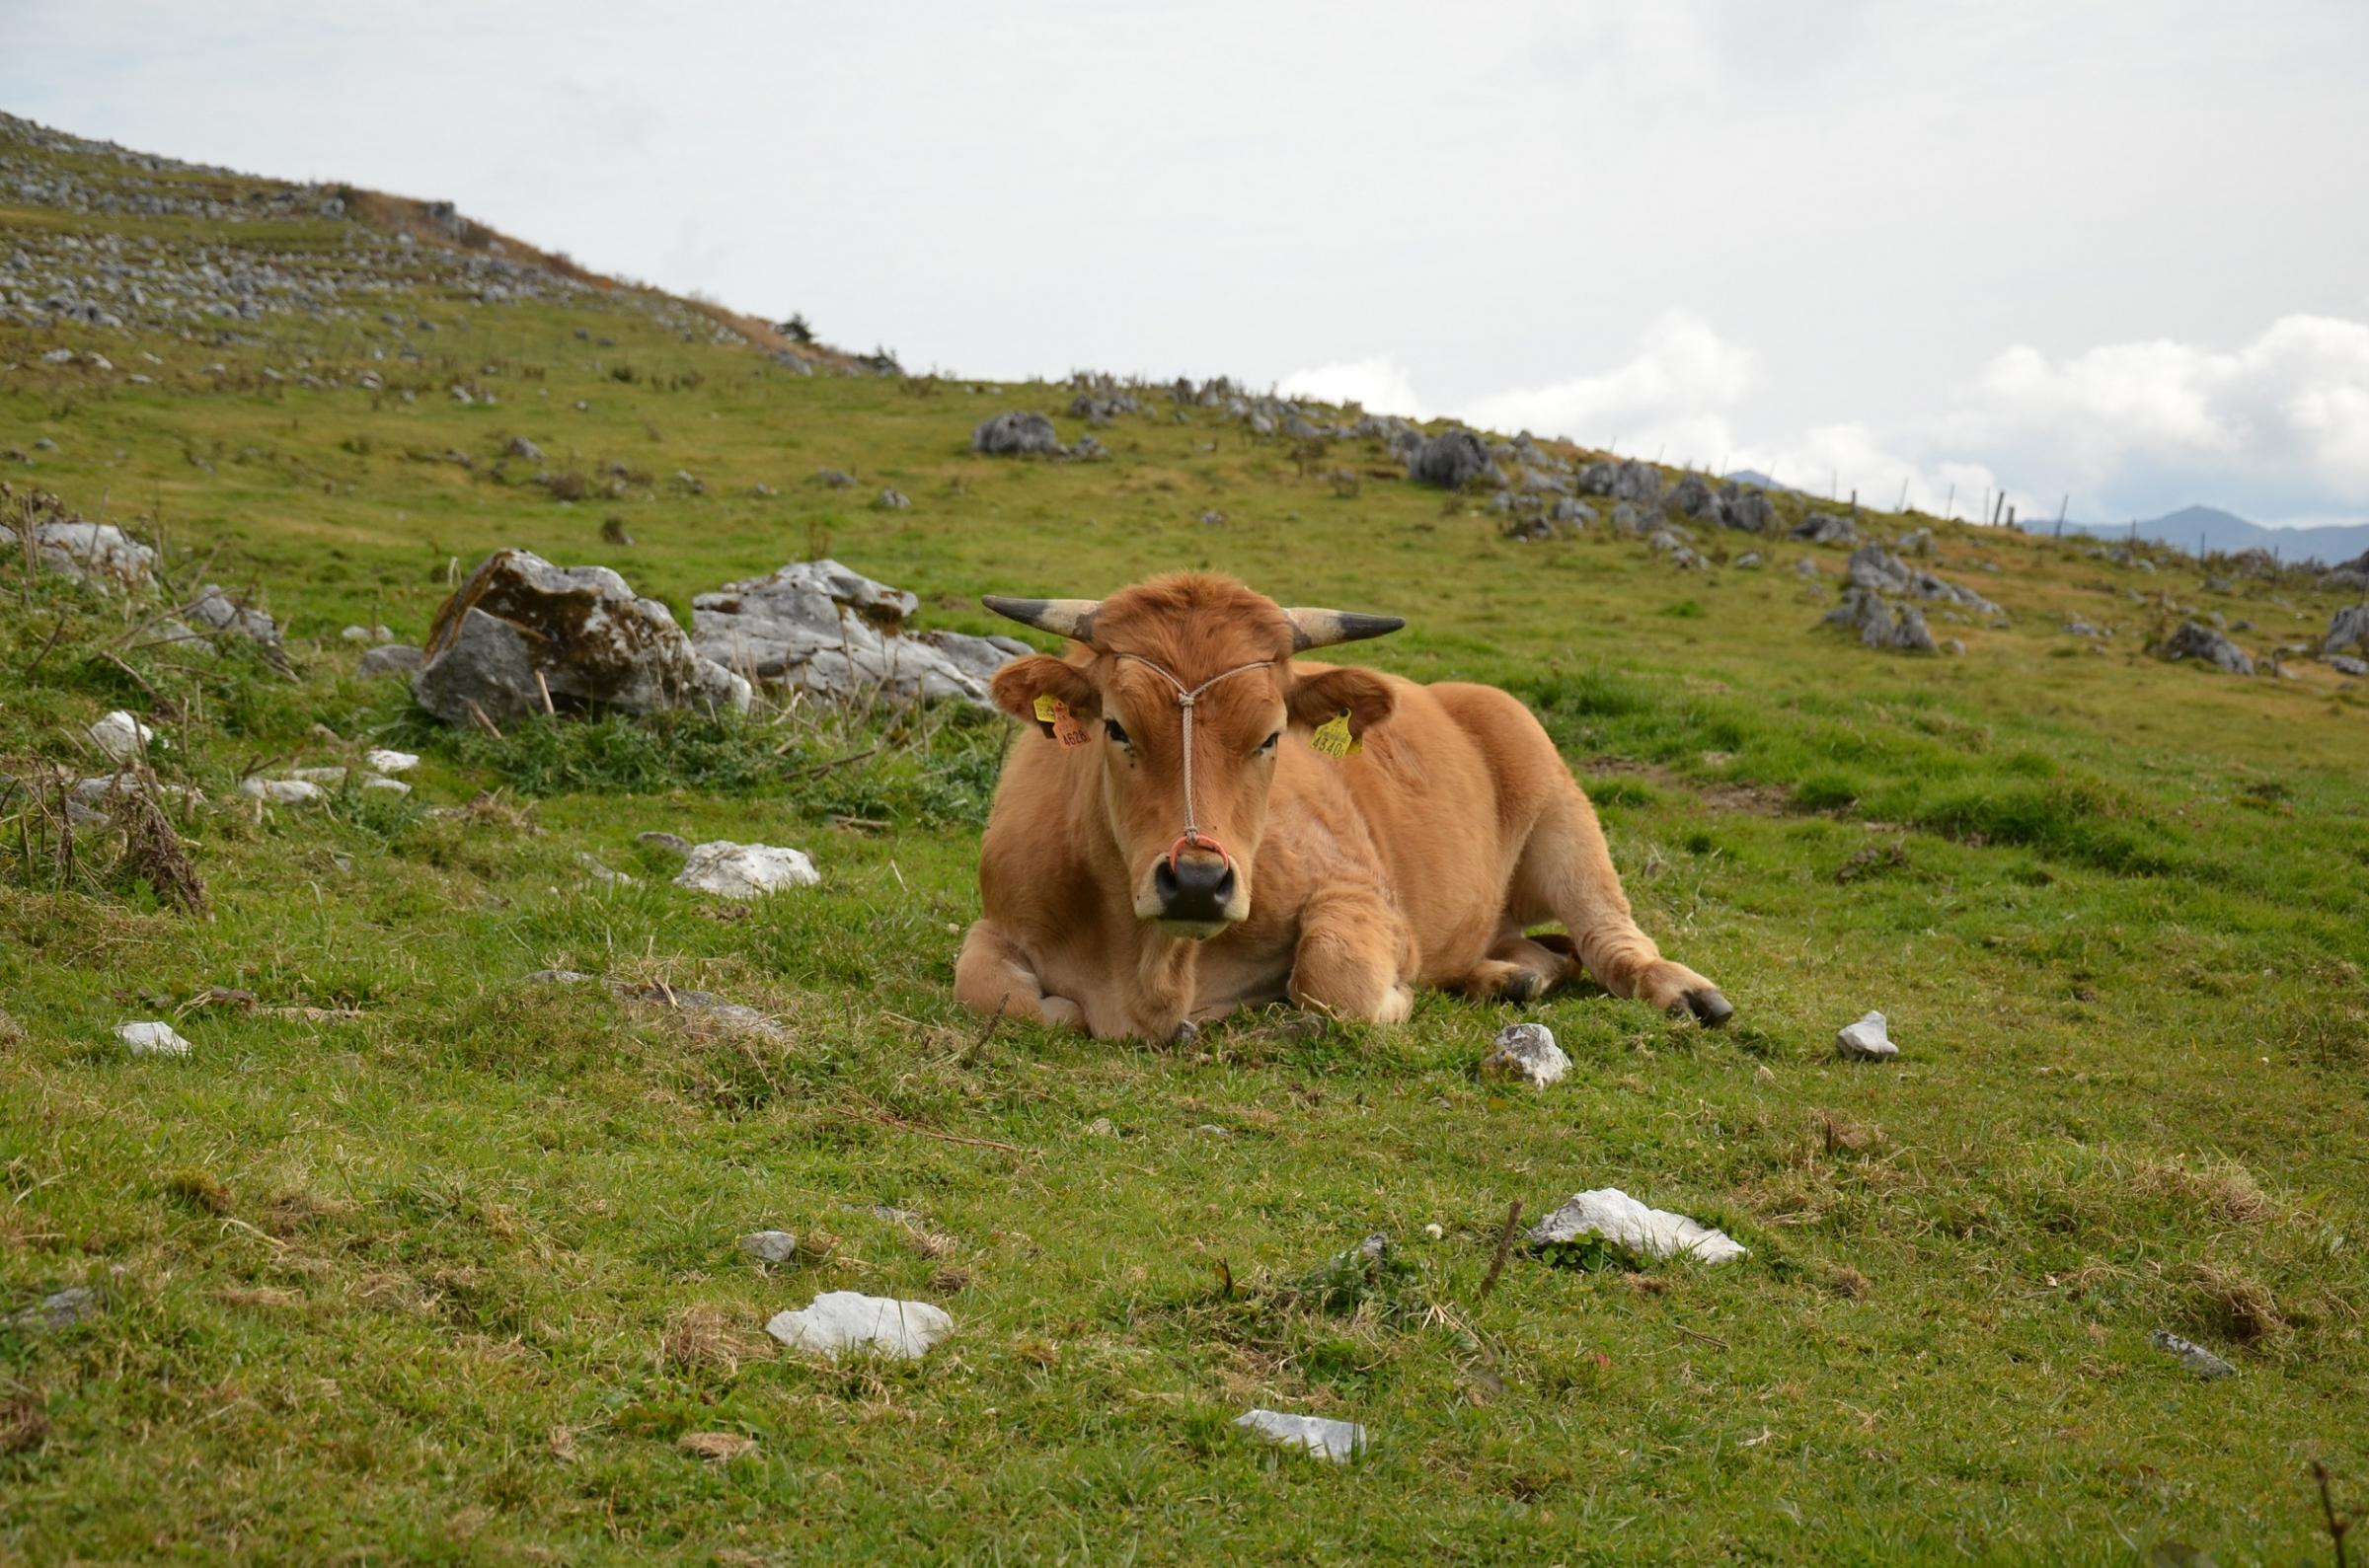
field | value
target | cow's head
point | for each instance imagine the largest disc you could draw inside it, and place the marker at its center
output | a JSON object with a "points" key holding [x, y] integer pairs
{"points": [[1121, 692]]}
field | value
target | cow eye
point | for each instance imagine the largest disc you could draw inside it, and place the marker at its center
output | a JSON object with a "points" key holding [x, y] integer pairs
{"points": [[1269, 744], [1118, 732]]}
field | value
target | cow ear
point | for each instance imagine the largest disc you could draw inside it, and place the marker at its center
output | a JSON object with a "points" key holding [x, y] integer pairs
{"points": [[1018, 684], [1362, 694]]}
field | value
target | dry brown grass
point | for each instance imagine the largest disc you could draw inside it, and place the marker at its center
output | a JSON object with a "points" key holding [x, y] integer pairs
{"points": [[2234, 1306], [704, 1339], [2223, 1188]]}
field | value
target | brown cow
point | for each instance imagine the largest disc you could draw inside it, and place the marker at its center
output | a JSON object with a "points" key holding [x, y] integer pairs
{"points": [[1182, 837]]}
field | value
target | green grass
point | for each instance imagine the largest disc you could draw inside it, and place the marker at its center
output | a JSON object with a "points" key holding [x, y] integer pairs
{"points": [[444, 1271]]}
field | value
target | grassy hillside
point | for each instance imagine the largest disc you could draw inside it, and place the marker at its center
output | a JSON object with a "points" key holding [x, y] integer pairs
{"points": [[412, 1259]]}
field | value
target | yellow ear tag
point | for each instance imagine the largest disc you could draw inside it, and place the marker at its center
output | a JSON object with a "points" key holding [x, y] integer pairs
{"points": [[1334, 739], [1046, 709]]}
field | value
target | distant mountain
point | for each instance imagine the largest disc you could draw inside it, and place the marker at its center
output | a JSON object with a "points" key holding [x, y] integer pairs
{"points": [[2226, 533], [1753, 475]]}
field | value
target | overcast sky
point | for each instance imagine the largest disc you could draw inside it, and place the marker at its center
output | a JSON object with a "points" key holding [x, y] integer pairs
{"points": [[2116, 249]]}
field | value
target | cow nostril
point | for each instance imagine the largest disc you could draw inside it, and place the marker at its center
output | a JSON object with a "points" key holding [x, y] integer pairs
{"points": [[1194, 890]]}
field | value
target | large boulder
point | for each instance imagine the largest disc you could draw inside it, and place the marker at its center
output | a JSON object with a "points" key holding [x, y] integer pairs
{"points": [[2348, 629], [838, 632], [1450, 460], [1691, 496], [1015, 433], [1824, 528], [2194, 640], [1630, 481], [1748, 509], [521, 626]]}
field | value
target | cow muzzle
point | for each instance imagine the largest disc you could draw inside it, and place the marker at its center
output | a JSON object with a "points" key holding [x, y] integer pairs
{"points": [[1195, 890]]}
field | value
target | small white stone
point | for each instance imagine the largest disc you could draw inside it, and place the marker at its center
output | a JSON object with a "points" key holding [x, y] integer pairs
{"points": [[1102, 1127], [1613, 1215], [1866, 1040], [153, 1038], [599, 872], [386, 761], [839, 1321], [280, 792], [770, 1246], [1527, 1052], [121, 736], [386, 786], [746, 871], [1338, 1440], [1435, 1232]]}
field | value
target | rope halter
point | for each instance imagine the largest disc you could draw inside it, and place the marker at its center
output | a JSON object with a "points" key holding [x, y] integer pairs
{"points": [[1192, 835]]}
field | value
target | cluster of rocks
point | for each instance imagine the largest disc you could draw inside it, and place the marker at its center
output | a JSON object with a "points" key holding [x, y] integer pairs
{"points": [[1880, 624], [522, 637], [836, 633], [1876, 570]]}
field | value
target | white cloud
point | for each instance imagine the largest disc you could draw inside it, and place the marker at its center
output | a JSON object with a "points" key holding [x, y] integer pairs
{"points": [[1674, 397], [1380, 383], [2286, 414]]}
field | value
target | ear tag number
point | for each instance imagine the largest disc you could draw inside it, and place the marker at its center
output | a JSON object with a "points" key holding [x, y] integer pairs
{"points": [[1066, 729], [1334, 739]]}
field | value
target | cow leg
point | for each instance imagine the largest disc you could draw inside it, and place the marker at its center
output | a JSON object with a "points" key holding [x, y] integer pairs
{"points": [[1352, 962], [994, 977], [1518, 970], [1565, 872]]}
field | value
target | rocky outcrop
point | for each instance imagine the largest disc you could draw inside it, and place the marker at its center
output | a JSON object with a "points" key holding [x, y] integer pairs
{"points": [[2348, 629], [1880, 626], [838, 632], [1824, 528], [1450, 460], [1630, 481], [98, 553], [1879, 571], [522, 635], [1016, 435], [2195, 640]]}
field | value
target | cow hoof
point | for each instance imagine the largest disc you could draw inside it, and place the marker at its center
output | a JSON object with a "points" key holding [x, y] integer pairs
{"points": [[1187, 1032], [1524, 987], [1710, 1010]]}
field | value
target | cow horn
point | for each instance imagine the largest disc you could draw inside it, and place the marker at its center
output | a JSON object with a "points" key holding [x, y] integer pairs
{"points": [[1070, 617], [1321, 629]]}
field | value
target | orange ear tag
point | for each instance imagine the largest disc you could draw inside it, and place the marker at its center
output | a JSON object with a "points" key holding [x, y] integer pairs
{"points": [[1066, 729], [1334, 739]]}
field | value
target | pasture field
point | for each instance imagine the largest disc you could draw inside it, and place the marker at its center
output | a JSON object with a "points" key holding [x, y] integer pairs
{"points": [[445, 1268]]}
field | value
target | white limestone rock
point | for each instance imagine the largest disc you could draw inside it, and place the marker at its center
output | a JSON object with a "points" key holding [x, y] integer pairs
{"points": [[838, 1322], [746, 871], [391, 762], [121, 736], [1325, 1438], [152, 1039], [1615, 1216], [770, 1246], [1526, 1052], [1868, 1040]]}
